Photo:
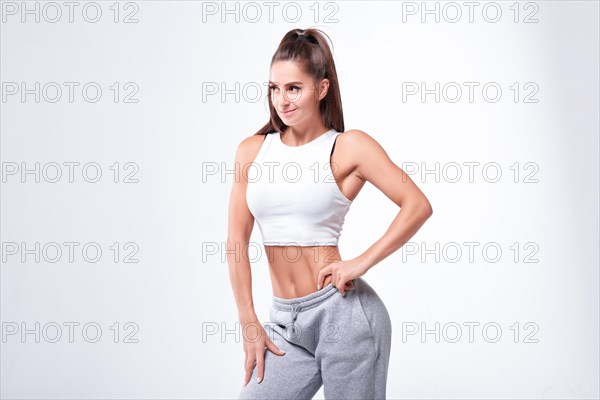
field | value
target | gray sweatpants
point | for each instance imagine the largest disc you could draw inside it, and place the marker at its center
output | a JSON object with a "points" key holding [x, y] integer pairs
{"points": [[340, 342]]}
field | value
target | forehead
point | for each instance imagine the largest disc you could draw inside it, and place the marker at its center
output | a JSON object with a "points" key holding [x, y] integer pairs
{"points": [[283, 72]]}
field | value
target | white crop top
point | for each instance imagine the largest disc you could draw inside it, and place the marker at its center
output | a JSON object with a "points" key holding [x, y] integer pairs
{"points": [[293, 195]]}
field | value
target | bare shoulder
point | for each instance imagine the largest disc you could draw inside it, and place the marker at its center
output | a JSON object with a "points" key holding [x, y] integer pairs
{"points": [[248, 148], [360, 142]]}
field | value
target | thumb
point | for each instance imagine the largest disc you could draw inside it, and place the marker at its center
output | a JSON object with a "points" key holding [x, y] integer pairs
{"points": [[271, 346]]}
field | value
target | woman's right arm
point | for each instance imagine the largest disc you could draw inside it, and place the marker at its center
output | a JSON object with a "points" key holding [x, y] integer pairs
{"points": [[239, 229]]}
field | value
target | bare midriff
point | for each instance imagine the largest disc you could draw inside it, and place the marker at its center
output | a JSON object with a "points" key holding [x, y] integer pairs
{"points": [[294, 269]]}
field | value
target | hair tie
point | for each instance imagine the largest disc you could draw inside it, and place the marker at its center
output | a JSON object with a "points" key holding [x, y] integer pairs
{"points": [[306, 38]]}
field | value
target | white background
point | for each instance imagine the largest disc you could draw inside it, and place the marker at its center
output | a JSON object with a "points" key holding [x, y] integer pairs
{"points": [[177, 214]]}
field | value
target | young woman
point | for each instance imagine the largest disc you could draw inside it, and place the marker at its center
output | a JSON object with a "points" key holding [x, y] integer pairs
{"points": [[327, 325]]}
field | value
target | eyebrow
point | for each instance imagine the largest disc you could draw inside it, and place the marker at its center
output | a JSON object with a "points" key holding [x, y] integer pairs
{"points": [[287, 84]]}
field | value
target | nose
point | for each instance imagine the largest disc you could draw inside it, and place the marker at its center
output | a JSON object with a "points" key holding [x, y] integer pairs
{"points": [[281, 98]]}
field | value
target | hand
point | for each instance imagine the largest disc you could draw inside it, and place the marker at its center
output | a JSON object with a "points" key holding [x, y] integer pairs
{"points": [[254, 347], [342, 273]]}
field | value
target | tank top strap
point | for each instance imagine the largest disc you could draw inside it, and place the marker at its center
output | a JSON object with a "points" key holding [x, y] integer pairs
{"points": [[333, 142], [327, 145], [264, 147]]}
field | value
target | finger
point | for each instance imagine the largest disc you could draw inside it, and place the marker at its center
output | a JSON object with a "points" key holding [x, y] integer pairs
{"points": [[341, 287], [271, 346], [249, 367], [340, 283], [347, 285], [260, 363], [321, 277], [328, 280]]}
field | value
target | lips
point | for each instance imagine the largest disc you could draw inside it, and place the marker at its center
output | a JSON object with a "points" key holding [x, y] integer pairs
{"points": [[288, 112]]}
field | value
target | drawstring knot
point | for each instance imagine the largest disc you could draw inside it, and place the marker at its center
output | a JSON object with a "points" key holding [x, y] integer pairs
{"points": [[295, 310]]}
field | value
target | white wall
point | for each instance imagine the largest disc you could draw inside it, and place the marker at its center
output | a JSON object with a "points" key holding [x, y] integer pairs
{"points": [[544, 207]]}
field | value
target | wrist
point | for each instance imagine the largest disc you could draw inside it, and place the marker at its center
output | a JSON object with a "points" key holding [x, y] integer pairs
{"points": [[247, 317], [366, 261]]}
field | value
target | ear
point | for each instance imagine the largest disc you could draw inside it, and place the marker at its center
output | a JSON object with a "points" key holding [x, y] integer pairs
{"points": [[323, 88]]}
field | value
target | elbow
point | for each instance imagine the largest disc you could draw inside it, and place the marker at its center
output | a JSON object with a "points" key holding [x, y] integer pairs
{"points": [[426, 209], [429, 210], [421, 208]]}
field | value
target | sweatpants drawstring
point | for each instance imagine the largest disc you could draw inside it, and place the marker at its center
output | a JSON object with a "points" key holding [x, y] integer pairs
{"points": [[295, 310]]}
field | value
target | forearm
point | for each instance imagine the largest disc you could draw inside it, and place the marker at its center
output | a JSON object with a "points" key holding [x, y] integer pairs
{"points": [[406, 224], [240, 276]]}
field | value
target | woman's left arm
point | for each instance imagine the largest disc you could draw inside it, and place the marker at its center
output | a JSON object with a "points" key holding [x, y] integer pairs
{"points": [[375, 166], [371, 163]]}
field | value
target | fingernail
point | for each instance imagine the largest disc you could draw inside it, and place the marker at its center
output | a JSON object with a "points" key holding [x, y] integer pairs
{"points": [[319, 286], [259, 379], [283, 352], [244, 383]]}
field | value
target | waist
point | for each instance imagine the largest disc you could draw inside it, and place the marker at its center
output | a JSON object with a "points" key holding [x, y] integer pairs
{"points": [[308, 301], [294, 270], [301, 257]]}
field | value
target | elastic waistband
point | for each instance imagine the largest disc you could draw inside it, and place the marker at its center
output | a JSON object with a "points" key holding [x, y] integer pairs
{"points": [[308, 301]]}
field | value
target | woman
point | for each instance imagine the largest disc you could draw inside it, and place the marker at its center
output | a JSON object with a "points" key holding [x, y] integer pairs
{"points": [[327, 325]]}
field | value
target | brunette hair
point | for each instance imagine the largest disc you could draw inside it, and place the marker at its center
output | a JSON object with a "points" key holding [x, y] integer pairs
{"points": [[309, 48]]}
